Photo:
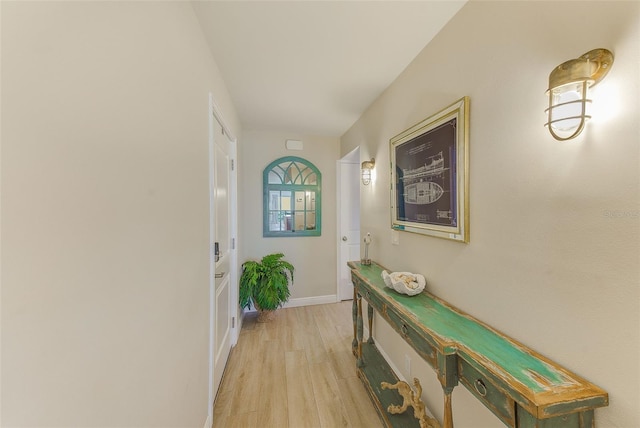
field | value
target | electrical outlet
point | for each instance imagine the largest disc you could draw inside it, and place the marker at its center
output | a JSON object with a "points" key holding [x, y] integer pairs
{"points": [[407, 365]]}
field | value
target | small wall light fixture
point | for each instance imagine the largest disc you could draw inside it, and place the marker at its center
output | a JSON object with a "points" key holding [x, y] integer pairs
{"points": [[569, 83], [367, 167]]}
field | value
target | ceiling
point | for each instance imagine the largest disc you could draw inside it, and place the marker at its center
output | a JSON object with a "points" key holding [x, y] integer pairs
{"points": [[313, 67]]}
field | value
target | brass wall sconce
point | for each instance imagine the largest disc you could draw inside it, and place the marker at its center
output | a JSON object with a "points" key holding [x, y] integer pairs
{"points": [[367, 167], [569, 83]]}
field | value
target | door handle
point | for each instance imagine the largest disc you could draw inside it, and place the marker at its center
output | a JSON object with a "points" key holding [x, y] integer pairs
{"points": [[344, 238], [219, 275]]}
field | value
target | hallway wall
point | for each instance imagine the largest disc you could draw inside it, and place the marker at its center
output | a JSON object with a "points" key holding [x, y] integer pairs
{"points": [[105, 214], [554, 227], [313, 256]]}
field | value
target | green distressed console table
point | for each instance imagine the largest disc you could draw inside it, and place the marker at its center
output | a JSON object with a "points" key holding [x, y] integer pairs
{"points": [[521, 387]]}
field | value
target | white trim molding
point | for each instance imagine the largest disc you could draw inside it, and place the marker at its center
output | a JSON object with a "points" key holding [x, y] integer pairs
{"points": [[303, 301], [310, 301]]}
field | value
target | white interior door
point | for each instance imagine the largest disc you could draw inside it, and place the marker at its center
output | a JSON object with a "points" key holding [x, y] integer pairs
{"points": [[223, 295], [222, 257], [349, 220]]}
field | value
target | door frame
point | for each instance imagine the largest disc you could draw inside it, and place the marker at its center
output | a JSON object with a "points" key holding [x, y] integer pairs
{"points": [[351, 157], [216, 114]]}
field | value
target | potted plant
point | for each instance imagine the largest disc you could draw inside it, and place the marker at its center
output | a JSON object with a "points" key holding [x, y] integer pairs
{"points": [[265, 284]]}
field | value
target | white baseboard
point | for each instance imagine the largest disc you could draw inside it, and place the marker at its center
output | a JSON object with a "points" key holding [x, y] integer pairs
{"points": [[305, 301], [309, 301]]}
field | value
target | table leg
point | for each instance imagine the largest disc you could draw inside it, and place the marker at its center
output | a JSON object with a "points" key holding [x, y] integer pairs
{"points": [[354, 315], [370, 319], [448, 411], [360, 328]]}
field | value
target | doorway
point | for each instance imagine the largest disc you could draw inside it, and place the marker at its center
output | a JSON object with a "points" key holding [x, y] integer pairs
{"points": [[223, 252], [348, 220]]}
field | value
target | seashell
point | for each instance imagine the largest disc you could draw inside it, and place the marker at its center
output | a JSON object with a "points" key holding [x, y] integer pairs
{"points": [[404, 282]]}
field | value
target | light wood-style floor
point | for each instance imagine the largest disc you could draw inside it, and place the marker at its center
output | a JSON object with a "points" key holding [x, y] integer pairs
{"points": [[296, 371]]}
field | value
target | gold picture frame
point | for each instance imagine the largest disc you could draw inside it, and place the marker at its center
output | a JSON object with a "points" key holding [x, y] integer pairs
{"points": [[430, 175]]}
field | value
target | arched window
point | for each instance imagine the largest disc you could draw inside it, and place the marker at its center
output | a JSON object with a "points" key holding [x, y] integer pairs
{"points": [[292, 205]]}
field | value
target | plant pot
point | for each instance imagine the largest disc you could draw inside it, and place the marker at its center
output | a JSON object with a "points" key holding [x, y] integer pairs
{"points": [[265, 316]]}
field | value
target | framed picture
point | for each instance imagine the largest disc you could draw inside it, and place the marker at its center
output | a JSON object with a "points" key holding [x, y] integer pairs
{"points": [[430, 175]]}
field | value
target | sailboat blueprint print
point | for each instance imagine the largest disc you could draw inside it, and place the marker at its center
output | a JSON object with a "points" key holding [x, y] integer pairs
{"points": [[430, 175], [426, 187]]}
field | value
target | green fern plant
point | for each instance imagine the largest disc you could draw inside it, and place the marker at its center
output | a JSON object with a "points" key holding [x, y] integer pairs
{"points": [[265, 284]]}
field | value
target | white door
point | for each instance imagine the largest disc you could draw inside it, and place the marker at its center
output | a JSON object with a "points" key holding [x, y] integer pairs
{"points": [[349, 220], [223, 294], [222, 332]]}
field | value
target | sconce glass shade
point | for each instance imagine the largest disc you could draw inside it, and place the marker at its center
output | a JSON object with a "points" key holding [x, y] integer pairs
{"points": [[569, 83], [568, 109], [367, 167]]}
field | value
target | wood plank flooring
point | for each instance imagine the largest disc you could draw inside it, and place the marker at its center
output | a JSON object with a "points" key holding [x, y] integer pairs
{"points": [[296, 371]]}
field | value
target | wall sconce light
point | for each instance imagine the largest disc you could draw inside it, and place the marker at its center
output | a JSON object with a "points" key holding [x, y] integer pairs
{"points": [[569, 83], [367, 167]]}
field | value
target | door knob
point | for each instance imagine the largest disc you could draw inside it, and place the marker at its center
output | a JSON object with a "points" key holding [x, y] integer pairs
{"points": [[344, 238]]}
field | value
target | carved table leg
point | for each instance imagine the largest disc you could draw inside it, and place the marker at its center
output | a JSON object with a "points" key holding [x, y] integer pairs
{"points": [[354, 315], [360, 362], [448, 412], [370, 319]]}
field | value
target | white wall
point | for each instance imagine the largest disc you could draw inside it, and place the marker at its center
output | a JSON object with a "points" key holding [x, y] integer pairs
{"points": [[553, 253], [105, 291], [314, 257]]}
